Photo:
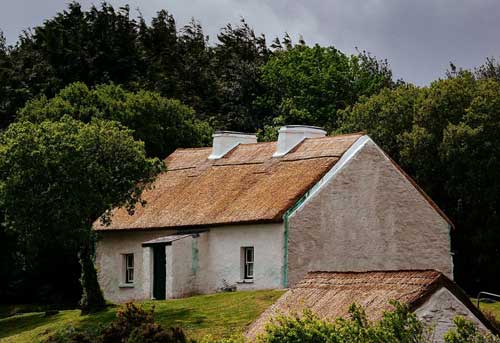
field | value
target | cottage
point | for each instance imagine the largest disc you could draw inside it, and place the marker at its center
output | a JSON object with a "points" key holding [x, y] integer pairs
{"points": [[249, 215], [434, 298]]}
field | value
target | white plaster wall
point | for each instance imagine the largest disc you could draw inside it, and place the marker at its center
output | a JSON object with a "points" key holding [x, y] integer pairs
{"points": [[193, 265], [109, 263], [440, 309], [181, 271], [368, 216], [220, 259]]}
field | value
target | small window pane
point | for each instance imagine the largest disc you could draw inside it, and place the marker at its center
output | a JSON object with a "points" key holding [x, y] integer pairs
{"points": [[248, 262], [129, 268], [249, 254], [250, 271]]}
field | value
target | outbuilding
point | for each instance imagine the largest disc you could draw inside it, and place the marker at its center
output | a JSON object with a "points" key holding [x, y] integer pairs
{"points": [[434, 298]]}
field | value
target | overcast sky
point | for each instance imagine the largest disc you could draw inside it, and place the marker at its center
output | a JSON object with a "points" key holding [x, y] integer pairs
{"points": [[418, 37]]}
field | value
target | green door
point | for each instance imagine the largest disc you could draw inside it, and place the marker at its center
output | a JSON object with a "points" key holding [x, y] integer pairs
{"points": [[159, 272]]}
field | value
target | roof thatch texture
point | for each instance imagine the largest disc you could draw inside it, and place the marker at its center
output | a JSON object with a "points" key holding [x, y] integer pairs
{"points": [[247, 185], [329, 294]]}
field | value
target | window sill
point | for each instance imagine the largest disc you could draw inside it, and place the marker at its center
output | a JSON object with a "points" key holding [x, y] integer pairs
{"points": [[245, 281], [126, 285]]}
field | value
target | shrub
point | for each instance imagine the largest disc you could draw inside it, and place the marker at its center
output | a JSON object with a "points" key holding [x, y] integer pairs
{"points": [[154, 333], [72, 335], [127, 319], [466, 332], [399, 326], [133, 324]]}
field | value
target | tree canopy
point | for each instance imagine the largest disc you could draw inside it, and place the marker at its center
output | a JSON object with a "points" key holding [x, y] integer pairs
{"points": [[162, 124], [57, 178]]}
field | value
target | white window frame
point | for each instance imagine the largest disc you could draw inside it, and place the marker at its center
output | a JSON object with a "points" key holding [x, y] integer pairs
{"points": [[128, 268], [248, 263]]}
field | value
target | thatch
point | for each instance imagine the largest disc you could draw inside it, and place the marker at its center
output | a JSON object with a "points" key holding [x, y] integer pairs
{"points": [[329, 294], [247, 185]]}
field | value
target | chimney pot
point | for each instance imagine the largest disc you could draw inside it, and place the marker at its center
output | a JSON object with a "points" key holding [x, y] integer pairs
{"points": [[291, 135], [225, 141]]}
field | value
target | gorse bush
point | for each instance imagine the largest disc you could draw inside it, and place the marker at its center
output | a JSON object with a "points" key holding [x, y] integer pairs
{"points": [[133, 324], [399, 326]]}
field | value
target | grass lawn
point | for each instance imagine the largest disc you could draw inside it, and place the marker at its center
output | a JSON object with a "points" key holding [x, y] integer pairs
{"points": [[493, 308], [219, 315]]}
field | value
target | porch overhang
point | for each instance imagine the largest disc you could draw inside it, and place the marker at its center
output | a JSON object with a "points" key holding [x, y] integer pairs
{"points": [[167, 240]]}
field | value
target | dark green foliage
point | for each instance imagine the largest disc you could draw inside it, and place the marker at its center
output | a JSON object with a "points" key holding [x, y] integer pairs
{"points": [[127, 319], [133, 324], [237, 61], [154, 333], [308, 85], [446, 137], [72, 335], [57, 178], [162, 124]]}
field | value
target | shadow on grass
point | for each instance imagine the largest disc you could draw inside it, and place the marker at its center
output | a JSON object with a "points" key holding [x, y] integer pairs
{"points": [[14, 325]]}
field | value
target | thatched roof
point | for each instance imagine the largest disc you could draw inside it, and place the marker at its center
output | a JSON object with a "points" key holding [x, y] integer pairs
{"points": [[247, 185], [329, 294]]}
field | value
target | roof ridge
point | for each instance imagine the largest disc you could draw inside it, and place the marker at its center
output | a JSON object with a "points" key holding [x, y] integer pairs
{"points": [[374, 271]]}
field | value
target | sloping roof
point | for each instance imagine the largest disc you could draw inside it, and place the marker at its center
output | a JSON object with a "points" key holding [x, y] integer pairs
{"points": [[329, 294], [247, 185]]}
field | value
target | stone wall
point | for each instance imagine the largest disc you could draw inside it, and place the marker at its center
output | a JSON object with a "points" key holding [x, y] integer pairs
{"points": [[440, 309]]}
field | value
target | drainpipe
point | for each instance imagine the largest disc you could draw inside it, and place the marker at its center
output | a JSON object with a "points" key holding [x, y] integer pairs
{"points": [[286, 218]]}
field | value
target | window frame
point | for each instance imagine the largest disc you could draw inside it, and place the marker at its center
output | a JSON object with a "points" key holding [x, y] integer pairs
{"points": [[128, 268], [248, 263]]}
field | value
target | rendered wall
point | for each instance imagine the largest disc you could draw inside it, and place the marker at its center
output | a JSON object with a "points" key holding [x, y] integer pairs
{"points": [[199, 265], [439, 311], [368, 216], [220, 257], [109, 261]]}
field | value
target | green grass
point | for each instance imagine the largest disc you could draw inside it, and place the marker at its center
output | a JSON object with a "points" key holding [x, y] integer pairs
{"points": [[493, 308], [219, 315]]}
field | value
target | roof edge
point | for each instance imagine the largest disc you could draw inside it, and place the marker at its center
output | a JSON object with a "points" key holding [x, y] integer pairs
{"points": [[420, 190], [443, 281]]}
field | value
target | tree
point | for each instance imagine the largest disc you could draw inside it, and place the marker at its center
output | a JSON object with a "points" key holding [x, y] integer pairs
{"points": [[237, 61], [163, 124], [385, 116], [446, 137], [308, 85], [57, 178]]}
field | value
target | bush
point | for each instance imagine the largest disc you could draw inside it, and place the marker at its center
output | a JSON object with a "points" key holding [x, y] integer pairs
{"points": [[399, 326], [127, 319], [466, 332], [154, 333], [133, 324], [72, 335]]}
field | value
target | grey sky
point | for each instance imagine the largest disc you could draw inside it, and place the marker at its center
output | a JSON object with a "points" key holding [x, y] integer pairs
{"points": [[418, 37]]}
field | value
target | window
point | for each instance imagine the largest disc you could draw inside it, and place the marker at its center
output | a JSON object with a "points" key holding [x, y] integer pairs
{"points": [[129, 268], [248, 262]]}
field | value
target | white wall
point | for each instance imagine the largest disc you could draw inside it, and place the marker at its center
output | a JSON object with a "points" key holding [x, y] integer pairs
{"points": [[368, 216], [440, 309], [194, 265], [109, 262], [220, 257]]}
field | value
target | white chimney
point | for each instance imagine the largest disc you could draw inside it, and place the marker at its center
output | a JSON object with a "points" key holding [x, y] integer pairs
{"points": [[225, 141], [291, 135]]}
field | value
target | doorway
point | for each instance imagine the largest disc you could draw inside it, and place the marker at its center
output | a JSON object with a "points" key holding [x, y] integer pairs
{"points": [[159, 272]]}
